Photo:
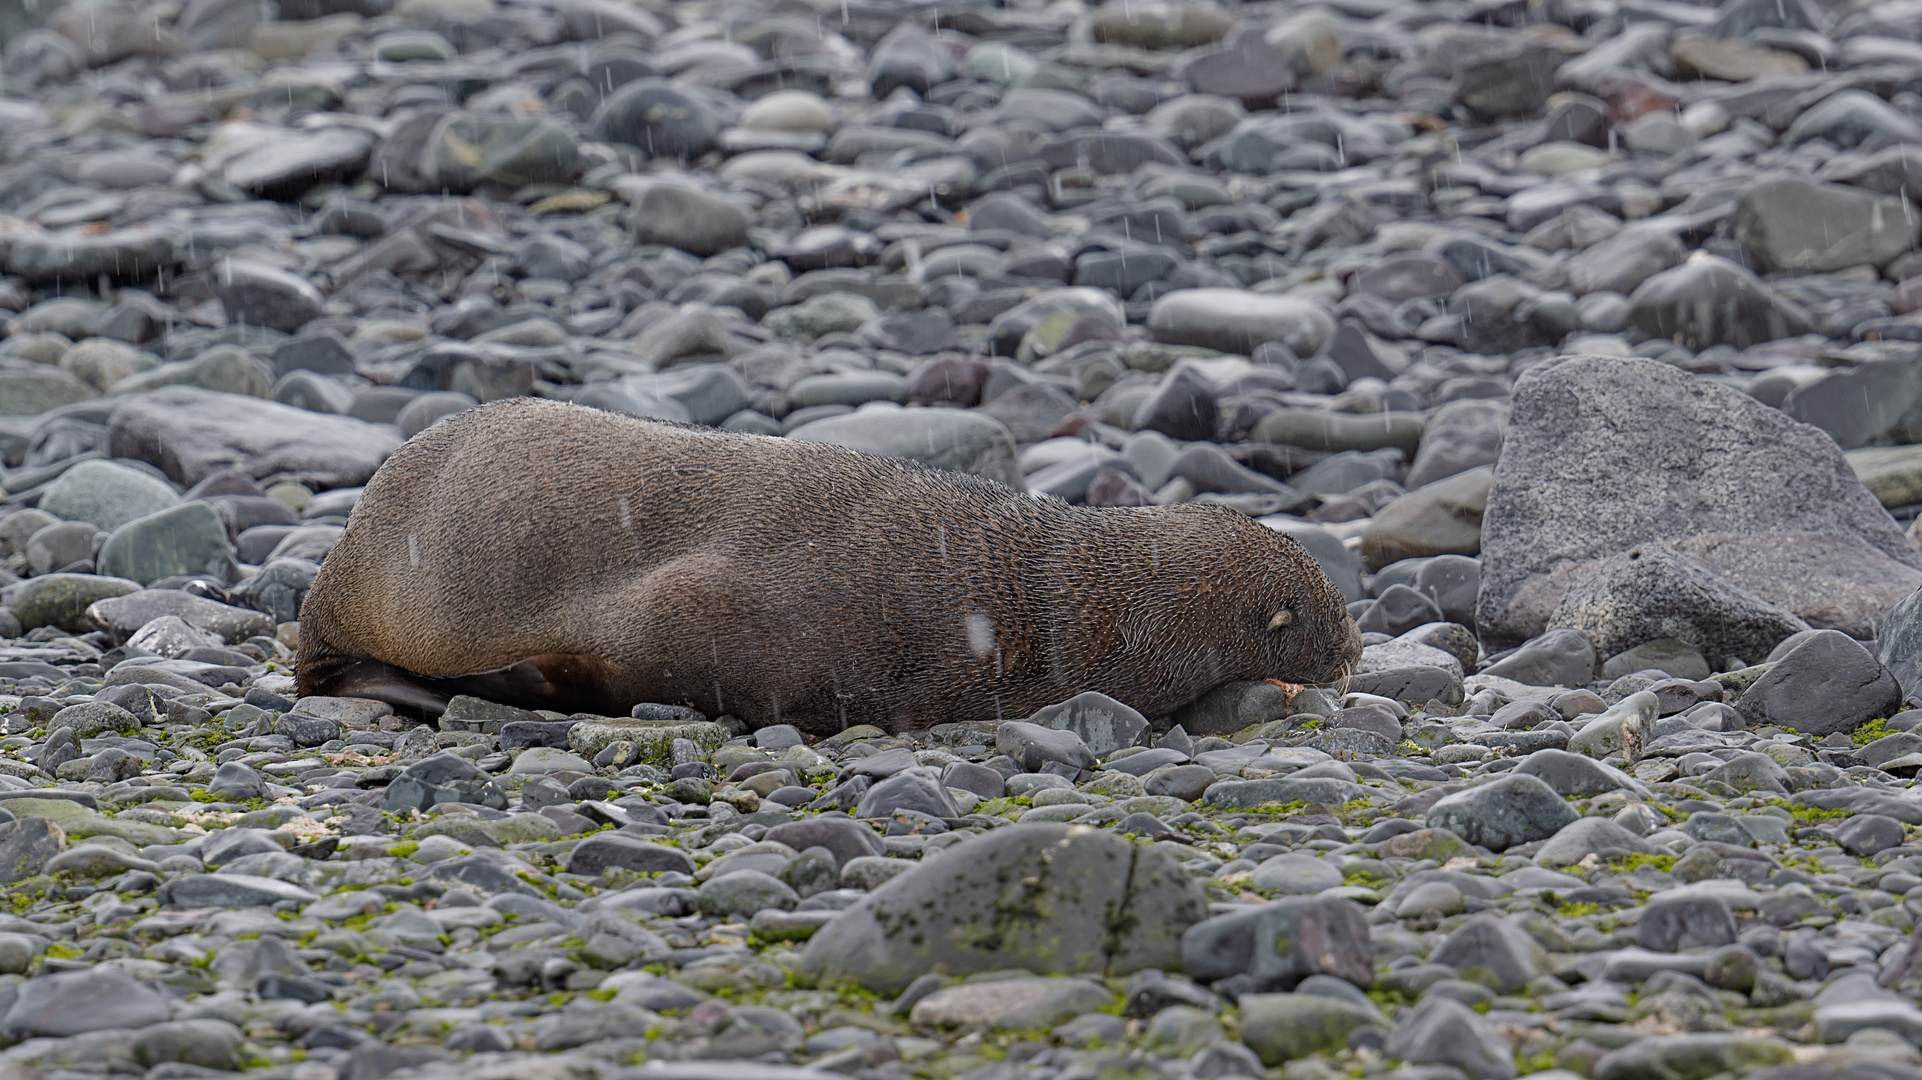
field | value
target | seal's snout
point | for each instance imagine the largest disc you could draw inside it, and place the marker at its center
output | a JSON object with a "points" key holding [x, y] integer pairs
{"points": [[1330, 649], [1349, 651]]}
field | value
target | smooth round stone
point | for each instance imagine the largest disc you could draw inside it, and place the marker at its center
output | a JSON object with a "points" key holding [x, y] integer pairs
{"points": [[536, 760], [1052, 110], [823, 314], [1732, 60], [424, 411], [71, 317], [1708, 301], [106, 495], [998, 62], [1160, 24], [280, 161], [1604, 313], [1659, 134], [466, 150], [296, 40], [445, 9], [17, 951], [1705, 118], [1309, 43], [1562, 158], [403, 45], [77, 1002], [1295, 875], [802, 417], [60, 545], [1405, 277], [46, 347], [855, 388], [786, 165], [741, 894], [789, 110], [748, 140], [1432, 899], [183, 540], [1195, 119], [1850, 118], [101, 362], [695, 221], [659, 116], [1191, 191], [1235, 320], [62, 599], [95, 718], [1062, 812]]}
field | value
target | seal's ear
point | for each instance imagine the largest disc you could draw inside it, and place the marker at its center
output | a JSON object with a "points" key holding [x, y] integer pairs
{"points": [[1282, 618]]}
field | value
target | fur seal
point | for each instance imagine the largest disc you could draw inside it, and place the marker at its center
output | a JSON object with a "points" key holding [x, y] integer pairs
{"points": [[556, 556]]}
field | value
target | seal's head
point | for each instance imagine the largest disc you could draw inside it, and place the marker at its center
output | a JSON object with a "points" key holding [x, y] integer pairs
{"points": [[1225, 599], [1301, 629]]}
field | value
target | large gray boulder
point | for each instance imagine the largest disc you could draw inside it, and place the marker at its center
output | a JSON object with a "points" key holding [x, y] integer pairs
{"points": [[1052, 898], [950, 439], [1651, 592], [1605, 453], [1898, 645], [192, 434]]}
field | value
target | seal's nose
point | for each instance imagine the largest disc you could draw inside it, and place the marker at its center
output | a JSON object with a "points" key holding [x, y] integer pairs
{"points": [[1348, 653]]}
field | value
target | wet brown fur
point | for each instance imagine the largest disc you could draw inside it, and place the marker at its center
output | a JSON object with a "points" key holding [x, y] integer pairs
{"points": [[561, 557]]}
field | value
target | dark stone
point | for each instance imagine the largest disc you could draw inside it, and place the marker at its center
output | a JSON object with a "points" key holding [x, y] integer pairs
{"points": [[659, 117], [25, 846], [967, 776], [517, 734], [307, 730], [1674, 924], [1418, 685], [915, 790], [1281, 943], [603, 851], [1829, 683], [1493, 951], [78, 1002], [1514, 809], [1398, 610], [843, 837], [1032, 746], [1864, 835], [438, 779]]}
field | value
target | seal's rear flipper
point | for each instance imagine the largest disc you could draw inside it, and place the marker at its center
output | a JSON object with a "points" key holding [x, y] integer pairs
{"points": [[562, 683]]}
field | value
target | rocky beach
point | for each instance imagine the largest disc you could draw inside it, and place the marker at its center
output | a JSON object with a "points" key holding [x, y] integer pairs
{"points": [[1578, 341]]}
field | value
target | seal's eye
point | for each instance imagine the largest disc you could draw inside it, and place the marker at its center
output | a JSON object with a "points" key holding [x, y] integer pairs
{"points": [[1282, 618]]}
